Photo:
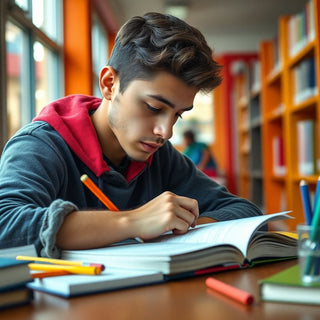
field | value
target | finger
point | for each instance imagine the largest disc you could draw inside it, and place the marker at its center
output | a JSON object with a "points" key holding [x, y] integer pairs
{"points": [[185, 215], [191, 205], [181, 227]]}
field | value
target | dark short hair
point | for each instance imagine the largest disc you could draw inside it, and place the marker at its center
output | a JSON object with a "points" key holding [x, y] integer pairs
{"points": [[156, 42], [189, 134]]}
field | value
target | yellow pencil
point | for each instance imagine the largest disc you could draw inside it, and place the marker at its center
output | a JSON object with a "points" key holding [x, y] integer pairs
{"points": [[71, 269], [63, 262]]}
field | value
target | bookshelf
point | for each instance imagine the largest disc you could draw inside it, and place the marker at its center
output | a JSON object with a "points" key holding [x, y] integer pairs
{"points": [[290, 101], [242, 107], [248, 106], [225, 112]]}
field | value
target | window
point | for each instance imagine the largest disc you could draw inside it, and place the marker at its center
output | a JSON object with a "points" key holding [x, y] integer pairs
{"points": [[17, 57], [200, 119], [33, 60], [99, 52]]}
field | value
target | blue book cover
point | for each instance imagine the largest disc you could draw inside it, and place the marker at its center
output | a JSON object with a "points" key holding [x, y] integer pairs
{"points": [[13, 273]]}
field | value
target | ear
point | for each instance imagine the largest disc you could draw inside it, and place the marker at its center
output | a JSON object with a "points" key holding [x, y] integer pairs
{"points": [[108, 81]]}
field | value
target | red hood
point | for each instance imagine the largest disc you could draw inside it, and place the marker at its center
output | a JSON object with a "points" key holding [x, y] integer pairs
{"points": [[70, 117]]}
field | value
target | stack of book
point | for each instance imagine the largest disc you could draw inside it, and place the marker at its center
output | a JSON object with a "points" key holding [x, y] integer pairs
{"points": [[14, 276]]}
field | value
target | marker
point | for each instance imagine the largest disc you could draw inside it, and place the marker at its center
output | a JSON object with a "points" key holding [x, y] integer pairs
{"points": [[70, 269], [101, 196], [63, 262], [305, 197], [232, 292]]}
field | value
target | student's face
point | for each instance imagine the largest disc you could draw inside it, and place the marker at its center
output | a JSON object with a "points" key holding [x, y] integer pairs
{"points": [[142, 117]]}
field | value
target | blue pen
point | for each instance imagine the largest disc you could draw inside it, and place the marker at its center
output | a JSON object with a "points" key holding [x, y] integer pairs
{"points": [[304, 189]]}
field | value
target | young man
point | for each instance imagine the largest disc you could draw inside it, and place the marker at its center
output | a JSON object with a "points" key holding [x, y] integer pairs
{"points": [[157, 66]]}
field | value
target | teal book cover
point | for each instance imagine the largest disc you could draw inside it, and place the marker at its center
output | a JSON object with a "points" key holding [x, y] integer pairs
{"points": [[13, 273]]}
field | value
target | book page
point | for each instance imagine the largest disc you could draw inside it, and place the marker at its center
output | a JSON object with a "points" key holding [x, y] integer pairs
{"points": [[234, 232]]}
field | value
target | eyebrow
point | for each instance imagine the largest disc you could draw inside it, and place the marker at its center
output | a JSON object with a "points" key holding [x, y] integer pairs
{"points": [[166, 101]]}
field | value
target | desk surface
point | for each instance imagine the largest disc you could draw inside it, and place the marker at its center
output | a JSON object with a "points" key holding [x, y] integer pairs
{"points": [[184, 299]]}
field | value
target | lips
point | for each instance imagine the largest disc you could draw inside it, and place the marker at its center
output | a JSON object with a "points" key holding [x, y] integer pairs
{"points": [[150, 147]]}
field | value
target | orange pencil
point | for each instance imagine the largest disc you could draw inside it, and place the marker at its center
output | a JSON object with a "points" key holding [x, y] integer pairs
{"points": [[98, 193], [46, 274], [232, 292]]}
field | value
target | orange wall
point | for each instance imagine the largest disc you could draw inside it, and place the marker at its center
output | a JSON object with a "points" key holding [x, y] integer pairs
{"points": [[77, 42], [77, 47]]}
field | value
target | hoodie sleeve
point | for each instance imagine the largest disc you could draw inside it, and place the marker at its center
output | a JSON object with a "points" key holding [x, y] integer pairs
{"points": [[33, 178], [52, 221]]}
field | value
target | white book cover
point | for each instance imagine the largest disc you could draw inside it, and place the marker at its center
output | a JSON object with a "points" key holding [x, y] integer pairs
{"points": [[110, 279]]}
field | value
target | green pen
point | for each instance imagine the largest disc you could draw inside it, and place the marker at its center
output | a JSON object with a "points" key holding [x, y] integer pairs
{"points": [[314, 237]]}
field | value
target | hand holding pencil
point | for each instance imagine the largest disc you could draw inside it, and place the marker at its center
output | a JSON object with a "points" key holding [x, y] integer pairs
{"points": [[101, 196], [167, 211]]}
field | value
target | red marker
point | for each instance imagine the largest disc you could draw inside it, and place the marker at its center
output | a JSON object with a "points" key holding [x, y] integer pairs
{"points": [[232, 292]]}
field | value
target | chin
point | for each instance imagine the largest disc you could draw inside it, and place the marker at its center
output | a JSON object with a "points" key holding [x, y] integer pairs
{"points": [[139, 158]]}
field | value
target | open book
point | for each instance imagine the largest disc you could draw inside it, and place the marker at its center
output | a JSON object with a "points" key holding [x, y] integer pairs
{"points": [[228, 243]]}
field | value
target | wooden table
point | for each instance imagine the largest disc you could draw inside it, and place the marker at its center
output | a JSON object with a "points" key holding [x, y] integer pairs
{"points": [[184, 299]]}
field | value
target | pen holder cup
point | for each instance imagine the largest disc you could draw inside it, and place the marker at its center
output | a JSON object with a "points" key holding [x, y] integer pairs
{"points": [[309, 253]]}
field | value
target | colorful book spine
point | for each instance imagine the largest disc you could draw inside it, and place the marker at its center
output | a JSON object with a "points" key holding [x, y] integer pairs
{"points": [[304, 80], [306, 147], [301, 28], [279, 167]]}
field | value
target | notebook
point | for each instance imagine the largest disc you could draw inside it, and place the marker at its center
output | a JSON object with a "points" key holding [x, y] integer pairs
{"points": [[286, 286], [110, 279]]}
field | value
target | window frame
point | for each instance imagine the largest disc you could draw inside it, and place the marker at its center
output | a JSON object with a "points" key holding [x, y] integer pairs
{"points": [[10, 11]]}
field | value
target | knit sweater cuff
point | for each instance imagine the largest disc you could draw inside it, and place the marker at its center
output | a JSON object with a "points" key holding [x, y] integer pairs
{"points": [[52, 222]]}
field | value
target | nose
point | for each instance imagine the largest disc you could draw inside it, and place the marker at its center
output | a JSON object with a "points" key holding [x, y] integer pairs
{"points": [[164, 128]]}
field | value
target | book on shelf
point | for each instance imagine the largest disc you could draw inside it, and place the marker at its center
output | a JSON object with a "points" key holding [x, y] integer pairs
{"points": [[286, 286], [276, 63], [110, 279], [306, 147], [279, 167], [301, 28], [255, 72], [304, 80], [237, 242]]}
